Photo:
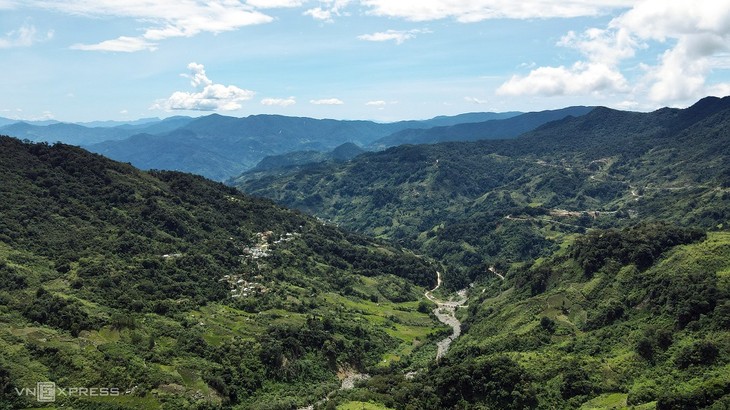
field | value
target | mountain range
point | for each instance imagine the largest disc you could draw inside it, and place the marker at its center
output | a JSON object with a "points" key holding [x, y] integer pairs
{"points": [[220, 147], [438, 198], [594, 248], [583, 264], [502, 128]]}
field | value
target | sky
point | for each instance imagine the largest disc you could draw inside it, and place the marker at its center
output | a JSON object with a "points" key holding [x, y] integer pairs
{"points": [[383, 60]]}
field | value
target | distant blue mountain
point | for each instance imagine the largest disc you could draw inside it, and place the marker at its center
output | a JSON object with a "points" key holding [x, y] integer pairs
{"points": [[110, 123], [220, 147], [7, 121], [510, 127], [77, 134]]}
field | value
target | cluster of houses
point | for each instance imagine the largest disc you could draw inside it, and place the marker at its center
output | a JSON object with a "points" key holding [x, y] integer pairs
{"points": [[241, 287], [261, 248]]}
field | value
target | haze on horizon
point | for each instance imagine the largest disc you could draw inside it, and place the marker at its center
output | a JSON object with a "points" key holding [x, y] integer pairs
{"points": [[383, 60]]}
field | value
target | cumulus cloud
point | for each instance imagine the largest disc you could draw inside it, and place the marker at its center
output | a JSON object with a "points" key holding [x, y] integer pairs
{"points": [[25, 36], [281, 102], [695, 38], [208, 97], [328, 10], [468, 11], [701, 34], [399, 36], [319, 13], [580, 78], [166, 18], [327, 101]]}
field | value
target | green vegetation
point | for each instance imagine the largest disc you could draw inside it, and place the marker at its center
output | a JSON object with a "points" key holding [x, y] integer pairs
{"points": [[595, 252], [616, 339], [183, 292], [472, 205], [610, 231], [475, 130]]}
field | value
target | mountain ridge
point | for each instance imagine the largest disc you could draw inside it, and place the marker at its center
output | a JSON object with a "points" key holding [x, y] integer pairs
{"points": [[613, 162], [492, 129]]}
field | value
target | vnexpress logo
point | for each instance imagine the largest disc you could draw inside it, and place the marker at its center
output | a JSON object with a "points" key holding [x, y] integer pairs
{"points": [[45, 392]]}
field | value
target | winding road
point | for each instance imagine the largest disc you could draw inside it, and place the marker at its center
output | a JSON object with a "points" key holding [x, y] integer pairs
{"points": [[446, 314]]}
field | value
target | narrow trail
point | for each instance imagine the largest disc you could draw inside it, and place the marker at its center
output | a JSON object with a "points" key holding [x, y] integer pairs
{"points": [[446, 314], [494, 271]]}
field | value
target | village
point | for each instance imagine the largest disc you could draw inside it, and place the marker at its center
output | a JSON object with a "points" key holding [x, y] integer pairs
{"points": [[248, 284]]}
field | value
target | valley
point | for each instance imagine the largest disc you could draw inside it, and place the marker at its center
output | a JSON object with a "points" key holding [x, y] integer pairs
{"points": [[580, 264], [365, 205], [446, 313]]}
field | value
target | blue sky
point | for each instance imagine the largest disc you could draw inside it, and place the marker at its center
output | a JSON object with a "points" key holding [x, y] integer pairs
{"points": [[385, 60]]}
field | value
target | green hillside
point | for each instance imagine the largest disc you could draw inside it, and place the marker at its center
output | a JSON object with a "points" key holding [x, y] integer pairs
{"points": [[619, 332], [594, 251], [477, 204], [184, 293], [498, 128]]}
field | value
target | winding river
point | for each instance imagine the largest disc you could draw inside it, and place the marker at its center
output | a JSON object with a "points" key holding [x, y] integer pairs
{"points": [[446, 313]]}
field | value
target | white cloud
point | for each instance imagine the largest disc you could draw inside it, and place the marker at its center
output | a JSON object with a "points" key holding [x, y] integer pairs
{"points": [[468, 11], [209, 97], [475, 100], [319, 13], [607, 47], [579, 79], [272, 4], [327, 101], [399, 36], [198, 76], [25, 36], [328, 10], [701, 35], [167, 18], [122, 44], [281, 102], [695, 37], [380, 104]]}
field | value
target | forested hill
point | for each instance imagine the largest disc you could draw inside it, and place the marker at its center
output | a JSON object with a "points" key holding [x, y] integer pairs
{"points": [[479, 203], [633, 318], [594, 251], [183, 290], [500, 128]]}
